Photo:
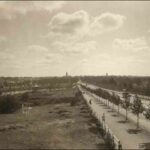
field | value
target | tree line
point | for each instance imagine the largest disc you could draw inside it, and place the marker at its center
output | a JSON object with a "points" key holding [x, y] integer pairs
{"points": [[136, 107], [26, 83], [134, 84]]}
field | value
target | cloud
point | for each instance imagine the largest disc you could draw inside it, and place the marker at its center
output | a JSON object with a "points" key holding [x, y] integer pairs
{"points": [[131, 51], [25, 6], [2, 39], [40, 55], [81, 22], [147, 37], [34, 53], [48, 5], [36, 48], [6, 56], [107, 22], [84, 61], [51, 58], [132, 45], [4, 42], [10, 8], [74, 48], [69, 23]]}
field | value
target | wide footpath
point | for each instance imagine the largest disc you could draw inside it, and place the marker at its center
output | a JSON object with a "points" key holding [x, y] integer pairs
{"points": [[125, 131]]}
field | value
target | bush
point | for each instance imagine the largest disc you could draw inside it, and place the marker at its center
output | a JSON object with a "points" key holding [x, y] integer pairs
{"points": [[9, 104], [78, 94], [24, 97]]}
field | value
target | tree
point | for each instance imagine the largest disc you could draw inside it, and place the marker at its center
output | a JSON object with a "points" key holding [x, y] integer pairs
{"points": [[117, 102], [106, 96], [126, 102], [24, 97], [113, 97], [9, 104], [147, 113], [137, 108]]}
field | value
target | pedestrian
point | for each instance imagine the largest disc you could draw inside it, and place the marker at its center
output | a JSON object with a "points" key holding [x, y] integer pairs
{"points": [[119, 146]]}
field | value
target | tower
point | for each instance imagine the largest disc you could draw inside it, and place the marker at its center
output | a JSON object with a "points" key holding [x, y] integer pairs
{"points": [[66, 74]]}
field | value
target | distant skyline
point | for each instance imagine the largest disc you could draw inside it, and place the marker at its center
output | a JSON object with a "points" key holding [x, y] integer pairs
{"points": [[50, 38]]}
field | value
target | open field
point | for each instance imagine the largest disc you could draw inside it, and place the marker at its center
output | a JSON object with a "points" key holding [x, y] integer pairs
{"points": [[51, 125]]}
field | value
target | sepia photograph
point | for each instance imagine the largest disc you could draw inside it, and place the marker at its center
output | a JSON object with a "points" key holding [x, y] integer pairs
{"points": [[75, 75]]}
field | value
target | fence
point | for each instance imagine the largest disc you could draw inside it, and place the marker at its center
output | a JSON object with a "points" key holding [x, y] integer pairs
{"points": [[107, 133]]}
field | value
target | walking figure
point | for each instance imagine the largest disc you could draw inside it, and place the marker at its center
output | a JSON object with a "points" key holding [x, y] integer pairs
{"points": [[119, 146]]}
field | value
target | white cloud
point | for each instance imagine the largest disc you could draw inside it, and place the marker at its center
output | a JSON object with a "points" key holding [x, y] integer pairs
{"points": [[132, 52], [76, 48], [69, 23], [51, 58], [107, 22], [132, 45], [35, 53], [40, 55], [82, 23], [85, 47]]}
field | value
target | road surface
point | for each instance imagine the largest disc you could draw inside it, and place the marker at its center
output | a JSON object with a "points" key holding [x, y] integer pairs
{"points": [[15, 92], [125, 132], [145, 99]]}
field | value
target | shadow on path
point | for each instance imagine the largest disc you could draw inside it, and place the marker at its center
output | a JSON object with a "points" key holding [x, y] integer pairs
{"points": [[114, 115], [146, 146], [122, 121], [106, 107], [110, 111], [133, 131]]}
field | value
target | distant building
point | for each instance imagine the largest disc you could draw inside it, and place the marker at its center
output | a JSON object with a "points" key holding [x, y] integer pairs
{"points": [[106, 74], [66, 74]]}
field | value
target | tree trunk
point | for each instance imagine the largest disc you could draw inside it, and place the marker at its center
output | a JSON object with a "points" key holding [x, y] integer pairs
{"points": [[137, 121], [126, 114], [118, 109]]}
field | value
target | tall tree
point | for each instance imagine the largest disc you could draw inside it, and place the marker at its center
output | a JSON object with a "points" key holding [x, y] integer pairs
{"points": [[126, 102], [117, 101], [113, 98], [137, 108]]}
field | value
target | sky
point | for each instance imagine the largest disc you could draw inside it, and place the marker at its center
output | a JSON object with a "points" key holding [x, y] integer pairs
{"points": [[50, 38]]}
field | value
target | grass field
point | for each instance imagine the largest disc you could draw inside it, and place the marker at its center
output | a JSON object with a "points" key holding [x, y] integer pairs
{"points": [[53, 124]]}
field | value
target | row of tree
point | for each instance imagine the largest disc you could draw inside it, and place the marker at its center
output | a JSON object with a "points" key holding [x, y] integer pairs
{"points": [[134, 84], [26, 83], [136, 107]]}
